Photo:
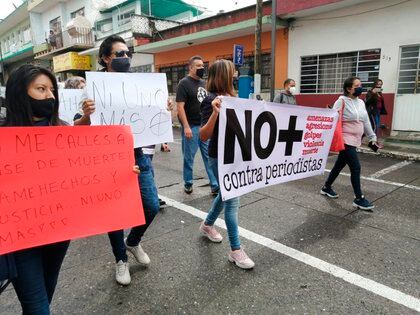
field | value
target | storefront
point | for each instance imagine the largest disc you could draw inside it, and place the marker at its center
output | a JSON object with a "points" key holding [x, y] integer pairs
{"points": [[71, 64]]}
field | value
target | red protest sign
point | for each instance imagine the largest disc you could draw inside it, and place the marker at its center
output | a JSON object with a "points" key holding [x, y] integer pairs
{"points": [[61, 183]]}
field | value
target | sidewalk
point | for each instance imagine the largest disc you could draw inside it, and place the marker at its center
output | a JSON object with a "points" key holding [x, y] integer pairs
{"points": [[402, 146]]}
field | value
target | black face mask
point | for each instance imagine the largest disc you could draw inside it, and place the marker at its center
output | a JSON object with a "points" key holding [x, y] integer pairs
{"points": [[358, 91], [42, 108], [200, 73], [121, 64]]}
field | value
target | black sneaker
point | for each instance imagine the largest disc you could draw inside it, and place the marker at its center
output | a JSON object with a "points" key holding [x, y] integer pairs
{"points": [[188, 189], [329, 192], [162, 204], [363, 204]]}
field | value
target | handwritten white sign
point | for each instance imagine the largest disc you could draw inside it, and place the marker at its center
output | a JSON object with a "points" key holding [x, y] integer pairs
{"points": [[135, 99], [69, 103]]}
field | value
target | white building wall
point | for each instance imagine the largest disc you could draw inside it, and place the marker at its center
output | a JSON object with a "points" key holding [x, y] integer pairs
{"points": [[387, 29]]}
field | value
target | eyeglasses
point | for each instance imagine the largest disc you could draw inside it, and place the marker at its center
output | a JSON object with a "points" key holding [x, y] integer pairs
{"points": [[123, 53]]}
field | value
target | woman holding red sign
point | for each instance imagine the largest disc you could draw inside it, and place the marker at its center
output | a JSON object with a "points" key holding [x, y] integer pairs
{"points": [[32, 100]]}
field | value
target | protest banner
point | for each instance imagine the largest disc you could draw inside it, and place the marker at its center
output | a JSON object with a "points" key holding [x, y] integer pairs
{"points": [[61, 183], [69, 104], [263, 144], [135, 99]]}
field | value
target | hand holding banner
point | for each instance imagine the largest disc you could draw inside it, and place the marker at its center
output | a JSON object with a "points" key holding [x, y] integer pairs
{"points": [[263, 144], [60, 183]]}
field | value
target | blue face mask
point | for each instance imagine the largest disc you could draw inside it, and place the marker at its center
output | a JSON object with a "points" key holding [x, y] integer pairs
{"points": [[358, 91], [121, 64]]}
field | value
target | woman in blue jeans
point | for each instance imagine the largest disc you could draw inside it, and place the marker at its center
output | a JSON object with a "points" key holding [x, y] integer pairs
{"points": [[32, 100], [220, 83]]}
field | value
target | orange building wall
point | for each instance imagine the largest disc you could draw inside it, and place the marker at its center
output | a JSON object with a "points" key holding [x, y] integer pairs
{"points": [[210, 51]]}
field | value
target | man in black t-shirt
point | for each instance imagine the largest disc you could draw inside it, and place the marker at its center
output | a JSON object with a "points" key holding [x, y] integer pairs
{"points": [[190, 93]]}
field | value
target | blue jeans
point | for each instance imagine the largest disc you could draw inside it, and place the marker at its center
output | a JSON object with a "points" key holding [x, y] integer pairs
{"points": [[37, 274], [189, 149], [231, 207], [377, 122], [149, 197], [347, 156]]}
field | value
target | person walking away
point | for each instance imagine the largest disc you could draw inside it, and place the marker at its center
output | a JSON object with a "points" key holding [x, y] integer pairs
{"points": [[190, 93], [220, 83], [355, 124]]}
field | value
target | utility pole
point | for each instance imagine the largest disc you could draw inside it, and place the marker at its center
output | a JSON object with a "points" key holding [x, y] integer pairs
{"points": [[273, 48], [257, 56]]}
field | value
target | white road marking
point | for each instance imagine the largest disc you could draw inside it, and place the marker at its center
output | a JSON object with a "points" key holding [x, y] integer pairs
{"points": [[382, 181], [348, 276], [390, 169]]}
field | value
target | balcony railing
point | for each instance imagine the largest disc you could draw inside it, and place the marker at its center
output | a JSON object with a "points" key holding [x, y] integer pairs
{"points": [[73, 38], [149, 26]]}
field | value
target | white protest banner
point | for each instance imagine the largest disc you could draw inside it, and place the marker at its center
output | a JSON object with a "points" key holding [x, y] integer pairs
{"points": [[69, 103], [135, 99], [262, 144]]}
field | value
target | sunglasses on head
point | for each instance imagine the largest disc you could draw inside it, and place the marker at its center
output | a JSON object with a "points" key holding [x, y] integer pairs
{"points": [[122, 53]]}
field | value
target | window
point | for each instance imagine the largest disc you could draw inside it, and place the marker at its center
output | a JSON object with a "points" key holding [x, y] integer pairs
{"points": [[103, 27], [175, 73], [326, 73], [80, 12], [125, 17], [142, 69], [26, 34], [409, 73]]}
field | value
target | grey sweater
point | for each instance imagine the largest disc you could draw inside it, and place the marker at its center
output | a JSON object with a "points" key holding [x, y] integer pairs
{"points": [[285, 98], [355, 110]]}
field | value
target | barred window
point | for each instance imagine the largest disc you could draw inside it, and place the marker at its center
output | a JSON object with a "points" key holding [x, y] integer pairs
{"points": [[174, 74], [409, 73], [326, 73]]}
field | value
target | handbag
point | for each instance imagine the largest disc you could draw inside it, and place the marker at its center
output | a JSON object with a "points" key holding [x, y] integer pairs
{"points": [[337, 143]]}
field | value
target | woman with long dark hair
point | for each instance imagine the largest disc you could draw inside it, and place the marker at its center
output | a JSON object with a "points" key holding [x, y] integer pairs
{"points": [[220, 83], [375, 104], [32, 100], [355, 124]]}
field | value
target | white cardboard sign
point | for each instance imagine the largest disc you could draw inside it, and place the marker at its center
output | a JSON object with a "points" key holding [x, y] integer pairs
{"points": [[69, 103], [135, 99]]}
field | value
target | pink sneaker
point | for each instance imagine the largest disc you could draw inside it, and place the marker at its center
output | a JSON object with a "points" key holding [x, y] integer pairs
{"points": [[241, 259], [211, 233]]}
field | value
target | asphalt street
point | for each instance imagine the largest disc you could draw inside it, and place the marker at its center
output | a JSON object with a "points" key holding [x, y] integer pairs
{"points": [[312, 255]]}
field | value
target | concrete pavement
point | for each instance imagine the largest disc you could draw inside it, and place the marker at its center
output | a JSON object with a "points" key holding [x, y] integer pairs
{"points": [[190, 275]]}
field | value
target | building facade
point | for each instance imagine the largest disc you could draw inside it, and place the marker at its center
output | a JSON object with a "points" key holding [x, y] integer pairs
{"points": [[332, 40], [213, 38]]}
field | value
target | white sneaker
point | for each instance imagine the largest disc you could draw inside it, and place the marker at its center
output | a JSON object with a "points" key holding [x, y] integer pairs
{"points": [[122, 273], [241, 259], [138, 253]]}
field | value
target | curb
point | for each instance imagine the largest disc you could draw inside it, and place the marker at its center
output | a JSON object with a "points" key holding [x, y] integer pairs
{"points": [[390, 153]]}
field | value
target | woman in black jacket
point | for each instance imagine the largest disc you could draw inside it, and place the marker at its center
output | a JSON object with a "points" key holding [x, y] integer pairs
{"points": [[32, 100], [375, 104]]}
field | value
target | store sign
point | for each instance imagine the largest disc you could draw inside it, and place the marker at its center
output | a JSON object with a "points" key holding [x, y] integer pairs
{"points": [[71, 61]]}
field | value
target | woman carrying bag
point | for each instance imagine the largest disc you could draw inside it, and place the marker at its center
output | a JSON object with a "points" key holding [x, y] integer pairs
{"points": [[355, 123]]}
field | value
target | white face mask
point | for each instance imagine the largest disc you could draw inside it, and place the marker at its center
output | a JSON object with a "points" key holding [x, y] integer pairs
{"points": [[292, 90]]}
